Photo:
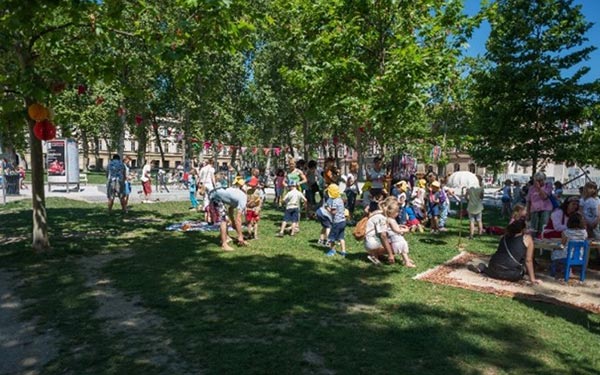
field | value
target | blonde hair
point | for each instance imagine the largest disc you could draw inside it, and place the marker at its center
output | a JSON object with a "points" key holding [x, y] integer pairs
{"points": [[389, 205]]}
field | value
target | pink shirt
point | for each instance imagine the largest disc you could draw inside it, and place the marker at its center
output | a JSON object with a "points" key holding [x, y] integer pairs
{"points": [[537, 203]]}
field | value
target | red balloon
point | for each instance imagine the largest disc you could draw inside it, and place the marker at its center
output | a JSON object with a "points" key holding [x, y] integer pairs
{"points": [[44, 130]]}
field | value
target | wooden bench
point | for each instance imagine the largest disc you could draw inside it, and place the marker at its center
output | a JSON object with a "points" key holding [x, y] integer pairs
{"points": [[83, 178]]}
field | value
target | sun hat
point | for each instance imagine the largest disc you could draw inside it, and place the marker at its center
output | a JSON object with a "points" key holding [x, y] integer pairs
{"points": [[421, 183], [403, 185], [333, 191], [239, 181], [435, 184]]}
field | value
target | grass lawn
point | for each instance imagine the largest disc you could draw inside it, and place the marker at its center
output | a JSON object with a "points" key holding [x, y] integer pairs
{"points": [[278, 306]]}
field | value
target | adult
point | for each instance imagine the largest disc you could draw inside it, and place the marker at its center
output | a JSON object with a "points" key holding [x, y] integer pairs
{"points": [[294, 174], [474, 197], [207, 180], [230, 203], [560, 217], [376, 175], [147, 181], [513, 257], [539, 205], [377, 243], [115, 185]]}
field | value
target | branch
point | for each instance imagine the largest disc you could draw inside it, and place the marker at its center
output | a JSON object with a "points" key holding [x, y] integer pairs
{"points": [[47, 31]]}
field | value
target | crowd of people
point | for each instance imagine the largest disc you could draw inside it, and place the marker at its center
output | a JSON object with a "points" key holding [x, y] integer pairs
{"points": [[391, 209]]}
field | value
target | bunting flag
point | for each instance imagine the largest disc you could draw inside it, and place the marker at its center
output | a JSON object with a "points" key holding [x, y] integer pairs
{"points": [[335, 140], [254, 150], [219, 147], [277, 151], [179, 137], [243, 149], [266, 150], [232, 149], [207, 145], [138, 119]]}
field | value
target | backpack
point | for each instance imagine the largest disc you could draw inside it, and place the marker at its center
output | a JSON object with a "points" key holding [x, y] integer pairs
{"points": [[360, 230]]}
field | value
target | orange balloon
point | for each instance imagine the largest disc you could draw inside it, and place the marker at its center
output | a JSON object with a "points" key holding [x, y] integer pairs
{"points": [[37, 112]]}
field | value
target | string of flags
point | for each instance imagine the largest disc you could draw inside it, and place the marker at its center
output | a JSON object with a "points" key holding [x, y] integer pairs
{"points": [[243, 149]]}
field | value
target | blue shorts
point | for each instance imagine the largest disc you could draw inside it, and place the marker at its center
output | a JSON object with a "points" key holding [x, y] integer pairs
{"points": [[337, 232], [434, 210], [291, 215], [323, 219]]}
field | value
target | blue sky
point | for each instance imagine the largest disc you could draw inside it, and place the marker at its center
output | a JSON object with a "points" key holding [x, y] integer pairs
{"points": [[591, 10]]}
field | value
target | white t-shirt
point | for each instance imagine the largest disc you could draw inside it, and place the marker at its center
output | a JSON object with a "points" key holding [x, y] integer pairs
{"points": [[376, 225], [206, 176], [146, 173], [293, 198]]}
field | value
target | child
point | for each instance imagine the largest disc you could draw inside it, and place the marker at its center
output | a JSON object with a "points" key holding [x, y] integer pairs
{"points": [[293, 200], [474, 197], [193, 185], [253, 213], [335, 206], [589, 207], [412, 221], [575, 231], [518, 213], [279, 180], [395, 232], [366, 195], [434, 206]]}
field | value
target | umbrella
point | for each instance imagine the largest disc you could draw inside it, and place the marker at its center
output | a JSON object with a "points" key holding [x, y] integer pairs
{"points": [[462, 180]]}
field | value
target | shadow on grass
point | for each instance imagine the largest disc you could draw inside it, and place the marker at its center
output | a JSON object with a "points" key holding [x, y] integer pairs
{"points": [[256, 310]]}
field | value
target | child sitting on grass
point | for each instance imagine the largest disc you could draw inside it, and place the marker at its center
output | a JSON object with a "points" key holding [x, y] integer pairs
{"points": [[395, 231], [293, 200]]}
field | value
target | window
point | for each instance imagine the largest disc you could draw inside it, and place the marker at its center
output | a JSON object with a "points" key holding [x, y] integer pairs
{"points": [[456, 167], [472, 168]]}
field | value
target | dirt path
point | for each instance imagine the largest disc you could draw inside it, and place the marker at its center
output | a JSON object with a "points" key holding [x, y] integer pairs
{"points": [[23, 348], [124, 317]]}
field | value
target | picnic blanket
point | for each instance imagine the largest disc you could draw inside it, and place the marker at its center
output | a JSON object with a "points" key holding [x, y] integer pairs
{"points": [[574, 294], [194, 226]]}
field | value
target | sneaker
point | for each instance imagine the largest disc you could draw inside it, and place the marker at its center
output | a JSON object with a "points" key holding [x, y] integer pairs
{"points": [[320, 242], [477, 269], [373, 260], [331, 253], [343, 253], [279, 234], [443, 229]]}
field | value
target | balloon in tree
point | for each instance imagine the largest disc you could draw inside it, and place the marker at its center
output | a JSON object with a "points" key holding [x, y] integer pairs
{"points": [[44, 130], [37, 112]]}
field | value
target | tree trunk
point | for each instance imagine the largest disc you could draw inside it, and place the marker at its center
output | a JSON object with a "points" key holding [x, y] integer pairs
{"points": [[40, 241], [85, 149]]}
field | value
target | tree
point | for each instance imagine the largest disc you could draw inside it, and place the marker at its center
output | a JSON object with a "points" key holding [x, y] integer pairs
{"points": [[529, 104]]}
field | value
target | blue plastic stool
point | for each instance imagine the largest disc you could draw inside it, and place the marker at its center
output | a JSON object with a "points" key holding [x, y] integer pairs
{"points": [[577, 256]]}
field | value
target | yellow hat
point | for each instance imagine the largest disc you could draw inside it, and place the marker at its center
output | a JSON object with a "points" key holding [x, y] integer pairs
{"points": [[333, 191], [239, 181], [421, 183], [435, 184], [402, 185]]}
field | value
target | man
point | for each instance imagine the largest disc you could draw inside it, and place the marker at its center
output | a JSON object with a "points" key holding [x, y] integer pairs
{"points": [[146, 181], [230, 203], [115, 185]]}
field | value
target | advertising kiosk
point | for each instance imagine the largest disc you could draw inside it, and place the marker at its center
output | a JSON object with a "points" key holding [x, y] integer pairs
{"points": [[62, 163]]}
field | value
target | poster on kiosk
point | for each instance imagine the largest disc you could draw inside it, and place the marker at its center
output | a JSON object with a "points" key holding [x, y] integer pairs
{"points": [[62, 163]]}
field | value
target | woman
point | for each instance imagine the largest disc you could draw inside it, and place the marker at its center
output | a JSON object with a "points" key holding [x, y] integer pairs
{"points": [[539, 205], [560, 217], [513, 257]]}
